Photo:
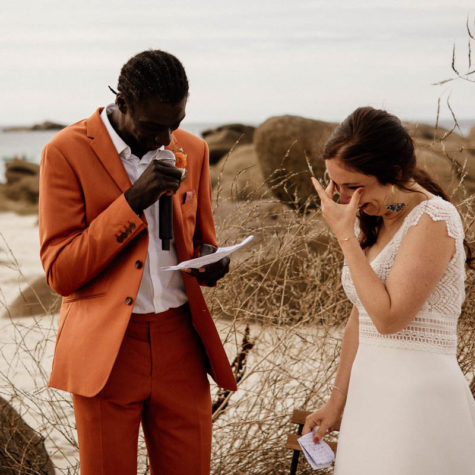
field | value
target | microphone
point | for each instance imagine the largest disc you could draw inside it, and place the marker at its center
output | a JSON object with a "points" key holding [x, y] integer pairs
{"points": [[165, 218], [165, 207]]}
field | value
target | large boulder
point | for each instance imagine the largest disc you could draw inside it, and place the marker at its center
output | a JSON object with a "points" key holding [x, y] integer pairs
{"points": [[18, 168], [471, 140], [450, 163], [27, 190], [272, 224], [21, 191], [283, 145], [22, 450], [222, 139], [239, 177]]}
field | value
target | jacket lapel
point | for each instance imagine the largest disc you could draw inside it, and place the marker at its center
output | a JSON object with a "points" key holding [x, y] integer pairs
{"points": [[177, 217], [102, 145]]}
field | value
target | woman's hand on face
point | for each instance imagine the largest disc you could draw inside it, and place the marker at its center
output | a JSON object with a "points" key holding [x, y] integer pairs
{"points": [[340, 217], [326, 419]]}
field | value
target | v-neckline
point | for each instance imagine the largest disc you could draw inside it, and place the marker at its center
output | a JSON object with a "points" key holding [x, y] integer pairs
{"points": [[400, 228]]}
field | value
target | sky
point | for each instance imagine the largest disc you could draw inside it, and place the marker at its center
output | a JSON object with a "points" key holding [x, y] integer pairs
{"points": [[246, 60]]}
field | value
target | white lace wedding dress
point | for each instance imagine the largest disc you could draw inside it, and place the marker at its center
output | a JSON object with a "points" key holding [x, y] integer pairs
{"points": [[409, 409]]}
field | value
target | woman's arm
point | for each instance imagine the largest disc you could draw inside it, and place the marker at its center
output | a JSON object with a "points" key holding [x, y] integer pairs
{"points": [[419, 265], [421, 261], [329, 415]]}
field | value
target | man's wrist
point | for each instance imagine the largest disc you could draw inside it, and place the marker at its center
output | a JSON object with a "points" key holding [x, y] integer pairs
{"points": [[136, 209]]}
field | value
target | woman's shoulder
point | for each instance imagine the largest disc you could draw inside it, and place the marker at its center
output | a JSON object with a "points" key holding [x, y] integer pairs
{"points": [[437, 209]]}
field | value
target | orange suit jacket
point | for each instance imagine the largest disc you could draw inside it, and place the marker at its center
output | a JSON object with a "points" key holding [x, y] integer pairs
{"points": [[93, 244]]}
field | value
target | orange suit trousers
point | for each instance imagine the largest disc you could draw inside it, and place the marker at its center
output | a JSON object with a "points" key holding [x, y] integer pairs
{"points": [[159, 379]]}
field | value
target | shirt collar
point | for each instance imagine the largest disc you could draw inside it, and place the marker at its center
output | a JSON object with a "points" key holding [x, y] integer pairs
{"points": [[122, 148]]}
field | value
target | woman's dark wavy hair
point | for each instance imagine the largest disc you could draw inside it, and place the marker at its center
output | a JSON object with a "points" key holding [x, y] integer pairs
{"points": [[374, 142]]}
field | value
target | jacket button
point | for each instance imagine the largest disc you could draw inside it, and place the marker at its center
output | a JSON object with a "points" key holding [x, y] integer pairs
{"points": [[129, 300], [138, 264]]}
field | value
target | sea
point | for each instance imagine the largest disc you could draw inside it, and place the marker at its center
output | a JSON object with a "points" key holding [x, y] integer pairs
{"points": [[28, 145]]}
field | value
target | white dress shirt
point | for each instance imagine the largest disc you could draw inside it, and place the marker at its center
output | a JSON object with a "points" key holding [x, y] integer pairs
{"points": [[159, 290]]}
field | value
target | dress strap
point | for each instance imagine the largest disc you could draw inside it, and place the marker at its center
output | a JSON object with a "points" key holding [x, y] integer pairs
{"points": [[439, 210]]}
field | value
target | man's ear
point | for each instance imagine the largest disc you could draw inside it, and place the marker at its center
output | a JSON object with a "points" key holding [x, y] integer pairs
{"points": [[121, 103]]}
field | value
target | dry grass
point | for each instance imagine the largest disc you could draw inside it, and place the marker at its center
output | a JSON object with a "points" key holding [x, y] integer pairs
{"points": [[288, 289], [285, 291], [283, 296]]}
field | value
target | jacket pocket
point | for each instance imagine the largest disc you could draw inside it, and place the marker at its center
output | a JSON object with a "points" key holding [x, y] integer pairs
{"points": [[75, 297]]}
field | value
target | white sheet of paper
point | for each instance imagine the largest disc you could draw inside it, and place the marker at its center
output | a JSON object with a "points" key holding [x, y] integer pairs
{"points": [[318, 455], [210, 258]]}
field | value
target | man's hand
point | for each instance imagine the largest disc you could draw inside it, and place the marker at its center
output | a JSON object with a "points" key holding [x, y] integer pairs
{"points": [[157, 179], [210, 274]]}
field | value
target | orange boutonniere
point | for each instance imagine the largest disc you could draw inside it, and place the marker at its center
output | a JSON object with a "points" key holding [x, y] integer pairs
{"points": [[181, 158]]}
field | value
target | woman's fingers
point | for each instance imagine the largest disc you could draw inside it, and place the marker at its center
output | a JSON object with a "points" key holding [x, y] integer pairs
{"points": [[355, 198], [321, 432], [319, 189], [324, 194], [311, 421], [330, 189]]}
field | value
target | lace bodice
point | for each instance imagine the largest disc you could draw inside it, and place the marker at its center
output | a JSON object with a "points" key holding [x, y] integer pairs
{"points": [[434, 328]]}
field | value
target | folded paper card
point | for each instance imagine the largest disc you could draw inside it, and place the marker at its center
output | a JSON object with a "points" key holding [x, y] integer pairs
{"points": [[318, 455], [209, 258]]}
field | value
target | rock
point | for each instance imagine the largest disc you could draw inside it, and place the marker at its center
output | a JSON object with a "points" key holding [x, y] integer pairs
{"points": [[282, 143], [222, 139], [239, 176], [471, 139], [46, 125], [450, 164], [26, 189], [18, 168], [420, 131], [21, 191], [22, 449], [37, 299], [271, 222]]}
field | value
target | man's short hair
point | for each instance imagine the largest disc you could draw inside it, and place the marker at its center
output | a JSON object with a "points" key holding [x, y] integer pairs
{"points": [[153, 73]]}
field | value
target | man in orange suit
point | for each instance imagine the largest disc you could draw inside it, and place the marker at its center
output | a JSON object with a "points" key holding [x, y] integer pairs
{"points": [[135, 341]]}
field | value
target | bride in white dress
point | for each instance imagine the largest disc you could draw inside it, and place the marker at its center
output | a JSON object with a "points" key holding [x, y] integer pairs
{"points": [[406, 405]]}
